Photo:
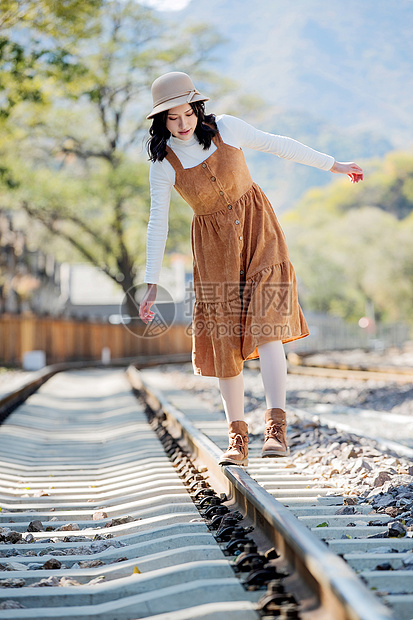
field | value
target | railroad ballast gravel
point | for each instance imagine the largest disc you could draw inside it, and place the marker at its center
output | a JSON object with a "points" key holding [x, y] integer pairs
{"points": [[352, 466]]}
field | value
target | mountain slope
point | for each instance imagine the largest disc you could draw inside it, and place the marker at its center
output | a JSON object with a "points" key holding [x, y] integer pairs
{"points": [[350, 63], [334, 75]]}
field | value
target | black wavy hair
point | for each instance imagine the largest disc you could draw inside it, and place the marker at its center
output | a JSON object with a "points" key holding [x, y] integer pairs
{"points": [[205, 129]]}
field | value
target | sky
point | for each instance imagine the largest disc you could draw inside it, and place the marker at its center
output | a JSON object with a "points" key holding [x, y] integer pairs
{"points": [[166, 5]]}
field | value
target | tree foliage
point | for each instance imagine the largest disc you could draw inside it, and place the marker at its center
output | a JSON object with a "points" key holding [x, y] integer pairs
{"points": [[35, 39], [351, 245], [73, 157], [388, 186]]}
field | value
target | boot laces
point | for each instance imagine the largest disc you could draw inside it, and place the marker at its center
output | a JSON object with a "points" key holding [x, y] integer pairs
{"points": [[237, 441], [274, 430]]}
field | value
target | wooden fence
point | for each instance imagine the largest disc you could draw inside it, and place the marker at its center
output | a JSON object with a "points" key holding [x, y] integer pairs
{"points": [[70, 340]]}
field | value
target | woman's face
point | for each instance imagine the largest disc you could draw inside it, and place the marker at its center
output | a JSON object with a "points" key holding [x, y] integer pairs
{"points": [[181, 121]]}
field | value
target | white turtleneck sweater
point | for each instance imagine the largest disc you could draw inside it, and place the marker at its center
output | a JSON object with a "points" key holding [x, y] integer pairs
{"points": [[234, 132]]}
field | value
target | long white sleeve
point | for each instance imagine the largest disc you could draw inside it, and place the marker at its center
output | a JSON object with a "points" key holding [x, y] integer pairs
{"points": [[237, 132], [234, 132], [157, 232]]}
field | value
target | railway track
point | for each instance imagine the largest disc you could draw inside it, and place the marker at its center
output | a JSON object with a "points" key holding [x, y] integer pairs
{"points": [[390, 431], [303, 365], [110, 526]]}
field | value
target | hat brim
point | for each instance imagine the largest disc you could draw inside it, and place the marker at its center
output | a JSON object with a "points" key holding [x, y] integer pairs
{"points": [[176, 101]]}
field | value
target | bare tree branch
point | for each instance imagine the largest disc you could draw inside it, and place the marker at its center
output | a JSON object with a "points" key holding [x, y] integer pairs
{"points": [[86, 154], [124, 258], [52, 224], [83, 250], [102, 114], [55, 217], [86, 228]]}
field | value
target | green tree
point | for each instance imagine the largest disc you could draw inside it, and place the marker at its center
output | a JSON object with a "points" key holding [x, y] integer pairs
{"points": [[85, 179], [348, 252], [35, 36], [388, 185]]}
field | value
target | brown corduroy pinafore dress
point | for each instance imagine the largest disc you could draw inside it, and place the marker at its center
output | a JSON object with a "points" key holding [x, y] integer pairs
{"points": [[244, 284]]}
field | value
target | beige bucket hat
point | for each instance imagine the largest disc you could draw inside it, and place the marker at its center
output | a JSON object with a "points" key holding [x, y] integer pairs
{"points": [[173, 89]]}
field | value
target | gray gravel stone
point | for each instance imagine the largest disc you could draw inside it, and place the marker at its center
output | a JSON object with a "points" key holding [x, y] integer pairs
{"points": [[381, 478], [52, 564], [70, 527], [12, 583], [119, 521], [383, 550], [79, 551], [384, 501], [11, 537], [15, 566], [35, 526], [49, 582], [96, 580], [353, 465], [90, 563], [346, 510], [408, 559], [12, 605], [396, 529], [46, 551], [68, 581]]}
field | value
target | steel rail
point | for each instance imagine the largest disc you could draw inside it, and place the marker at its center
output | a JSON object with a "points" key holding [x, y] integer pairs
{"points": [[298, 364], [382, 442], [105, 453], [340, 591], [14, 397]]}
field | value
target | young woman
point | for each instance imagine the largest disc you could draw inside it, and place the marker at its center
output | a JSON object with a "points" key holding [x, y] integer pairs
{"points": [[246, 303]]}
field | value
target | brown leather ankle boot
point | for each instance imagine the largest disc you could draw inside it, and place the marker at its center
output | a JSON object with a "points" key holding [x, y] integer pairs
{"points": [[237, 452], [275, 443]]}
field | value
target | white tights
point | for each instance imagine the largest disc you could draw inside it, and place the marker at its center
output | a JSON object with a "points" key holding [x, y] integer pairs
{"points": [[274, 375]]}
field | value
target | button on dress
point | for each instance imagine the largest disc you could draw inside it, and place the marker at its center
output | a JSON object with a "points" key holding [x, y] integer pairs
{"points": [[244, 283]]}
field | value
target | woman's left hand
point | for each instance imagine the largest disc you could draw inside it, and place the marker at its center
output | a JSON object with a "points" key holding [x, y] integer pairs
{"points": [[351, 169]]}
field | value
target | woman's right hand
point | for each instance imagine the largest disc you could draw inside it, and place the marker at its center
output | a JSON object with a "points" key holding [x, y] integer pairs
{"points": [[145, 312], [352, 170]]}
